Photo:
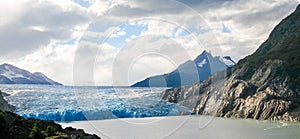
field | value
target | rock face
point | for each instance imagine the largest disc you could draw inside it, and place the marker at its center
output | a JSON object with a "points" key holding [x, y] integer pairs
{"points": [[189, 72], [4, 106], [264, 85], [10, 74]]}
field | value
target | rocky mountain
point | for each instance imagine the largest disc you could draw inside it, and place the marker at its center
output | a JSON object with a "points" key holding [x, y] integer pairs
{"points": [[10, 74], [189, 72], [4, 106], [264, 85]]}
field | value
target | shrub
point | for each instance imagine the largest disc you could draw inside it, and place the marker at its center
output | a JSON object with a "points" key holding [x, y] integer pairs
{"points": [[50, 131], [35, 132], [2, 121]]}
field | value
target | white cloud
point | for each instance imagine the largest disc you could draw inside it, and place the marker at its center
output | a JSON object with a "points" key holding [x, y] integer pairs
{"points": [[101, 7], [55, 62], [159, 27], [149, 65], [118, 34], [250, 23], [83, 64], [145, 56], [131, 38], [33, 35]]}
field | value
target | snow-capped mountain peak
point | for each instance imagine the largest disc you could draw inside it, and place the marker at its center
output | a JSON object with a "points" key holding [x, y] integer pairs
{"points": [[10, 74], [191, 71]]}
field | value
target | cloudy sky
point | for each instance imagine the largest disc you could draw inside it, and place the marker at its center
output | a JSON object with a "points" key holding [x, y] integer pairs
{"points": [[105, 42]]}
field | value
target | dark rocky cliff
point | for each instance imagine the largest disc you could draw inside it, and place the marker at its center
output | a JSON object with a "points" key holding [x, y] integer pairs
{"points": [[4, 106], [264, 85]]}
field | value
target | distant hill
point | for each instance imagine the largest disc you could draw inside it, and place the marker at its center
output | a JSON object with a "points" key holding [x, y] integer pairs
{"points": [[264, 85], [10, 74], [189, 72]]}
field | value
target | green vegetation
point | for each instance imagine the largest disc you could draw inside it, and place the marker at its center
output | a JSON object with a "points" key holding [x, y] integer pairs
{"points": [[15, 126], [2, 121], [36, 133], [59, 136], [50, 131]]}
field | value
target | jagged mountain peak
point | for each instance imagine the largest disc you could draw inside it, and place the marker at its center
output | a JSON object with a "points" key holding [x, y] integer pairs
{"points": [[264, 85], [191, 71], [204, 55]]}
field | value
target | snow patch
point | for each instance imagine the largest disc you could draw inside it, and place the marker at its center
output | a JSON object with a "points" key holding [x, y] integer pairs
{"points": [[228, 62], [10, 74], [6, 67], [202, 63]]}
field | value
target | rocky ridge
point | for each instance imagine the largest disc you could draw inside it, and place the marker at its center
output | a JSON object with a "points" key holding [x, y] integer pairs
{"points": [[264, 85]]}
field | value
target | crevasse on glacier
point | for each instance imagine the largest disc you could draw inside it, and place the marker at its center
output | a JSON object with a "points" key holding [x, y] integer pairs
{"points": [[63, 103]]}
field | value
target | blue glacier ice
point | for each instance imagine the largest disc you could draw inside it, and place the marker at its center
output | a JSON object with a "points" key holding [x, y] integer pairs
{"points": [[67, 103]]}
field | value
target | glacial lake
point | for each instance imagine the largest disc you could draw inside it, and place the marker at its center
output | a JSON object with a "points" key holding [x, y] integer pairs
{"points": [[188, 127]]}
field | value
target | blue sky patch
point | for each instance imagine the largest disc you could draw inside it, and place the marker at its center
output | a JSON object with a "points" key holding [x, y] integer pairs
{"points": [[130, 30], [183, 32], [69, 42], [225, 29], [83, 3]]}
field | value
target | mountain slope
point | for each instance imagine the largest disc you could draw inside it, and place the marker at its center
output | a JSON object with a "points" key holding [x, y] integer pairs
{"points": [[189, 72], [10, 74], [4, 106], [264, 85]]}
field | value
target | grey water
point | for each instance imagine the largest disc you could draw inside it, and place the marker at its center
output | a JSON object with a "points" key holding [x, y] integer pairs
{"points": [[189, 127]]}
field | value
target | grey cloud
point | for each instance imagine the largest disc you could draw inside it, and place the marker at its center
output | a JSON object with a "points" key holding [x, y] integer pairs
{"points": [[18, 38], [127, 11], [274, 13], [204, 3], [52, 16], [140, 8]]}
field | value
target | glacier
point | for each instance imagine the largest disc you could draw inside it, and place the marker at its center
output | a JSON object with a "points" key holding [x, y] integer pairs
{"points": [[69, 103]]}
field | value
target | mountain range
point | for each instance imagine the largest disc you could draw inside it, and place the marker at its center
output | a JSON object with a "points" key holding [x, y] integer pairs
{"points": [[263, 85], [189, 72], [10, 74]]}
